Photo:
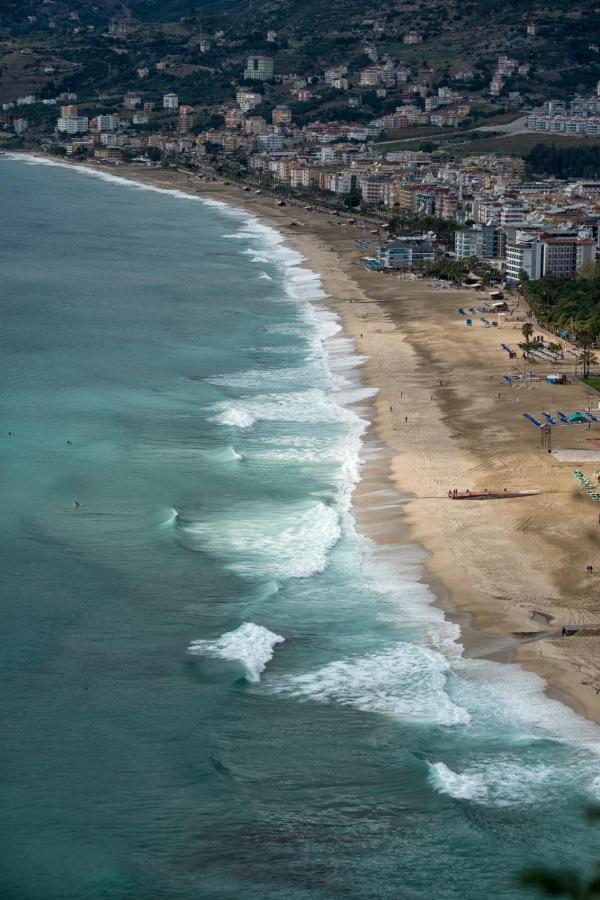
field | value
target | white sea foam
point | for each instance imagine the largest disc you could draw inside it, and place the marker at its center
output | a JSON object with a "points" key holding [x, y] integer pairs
{"points": [[310, 406], [275, 540], [285, 328], [460, 786], [253, 645], [109, 177], [170, 520], [502, 781], [405, 681], [502, 695], [250, 379], [226, 454]]}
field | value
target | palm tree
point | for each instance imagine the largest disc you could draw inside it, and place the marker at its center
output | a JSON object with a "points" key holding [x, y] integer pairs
{"points": [[527, 330], [587, 359]]}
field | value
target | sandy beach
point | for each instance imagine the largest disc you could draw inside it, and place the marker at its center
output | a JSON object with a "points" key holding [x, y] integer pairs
{"points": [[446, 418]]}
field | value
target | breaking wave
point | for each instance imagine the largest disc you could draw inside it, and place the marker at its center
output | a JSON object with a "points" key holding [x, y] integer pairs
{"points": [[252, 645], [406, 681]]}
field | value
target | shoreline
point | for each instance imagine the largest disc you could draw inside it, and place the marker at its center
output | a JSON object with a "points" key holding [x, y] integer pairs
{"points": [[428, 444]]}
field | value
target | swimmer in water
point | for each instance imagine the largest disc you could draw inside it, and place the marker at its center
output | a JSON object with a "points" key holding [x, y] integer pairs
{"points": [[76, 504]]}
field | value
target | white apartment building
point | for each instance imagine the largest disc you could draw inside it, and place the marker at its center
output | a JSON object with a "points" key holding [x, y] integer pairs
{"points": [[72, 124], [272, 141], [520, 257], [107, 123], [549, 254], [512, 215], [170, 101], [468, 243], [373, 188], [300, 177], [370, 76]]}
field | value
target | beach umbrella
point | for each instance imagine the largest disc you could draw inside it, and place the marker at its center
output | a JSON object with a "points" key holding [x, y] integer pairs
{"points": [[577, 417]]}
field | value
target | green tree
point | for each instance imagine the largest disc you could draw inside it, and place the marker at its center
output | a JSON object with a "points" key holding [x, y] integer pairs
{"points": [[153, 154], [353, 199], [527, 331], [589, 270], [587, 359]]}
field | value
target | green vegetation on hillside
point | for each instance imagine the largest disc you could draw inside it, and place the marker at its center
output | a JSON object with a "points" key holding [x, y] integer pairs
{"points": [[566, 304], [455, 37], [564, 162]]}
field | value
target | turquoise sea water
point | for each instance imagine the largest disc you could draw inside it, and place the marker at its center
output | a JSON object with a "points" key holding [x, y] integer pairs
{"points": [[212, 685]]}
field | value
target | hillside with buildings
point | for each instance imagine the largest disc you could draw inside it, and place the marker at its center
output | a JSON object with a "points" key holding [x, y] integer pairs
{"points": [[255, 92]]}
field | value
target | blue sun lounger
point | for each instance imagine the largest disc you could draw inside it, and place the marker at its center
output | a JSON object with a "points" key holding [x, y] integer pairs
{"points": [[590, 415], [550, 419], [564, 419], [461, 312], [533, 420]]}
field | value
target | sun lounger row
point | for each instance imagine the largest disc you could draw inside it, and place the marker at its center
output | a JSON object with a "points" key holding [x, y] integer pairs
{"points": [[561, 418], [587, 485], [485, 322], [533, 420]]}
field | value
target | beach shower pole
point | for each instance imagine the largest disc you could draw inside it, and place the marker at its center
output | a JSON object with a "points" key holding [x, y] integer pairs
{"points": [[546, 438]]}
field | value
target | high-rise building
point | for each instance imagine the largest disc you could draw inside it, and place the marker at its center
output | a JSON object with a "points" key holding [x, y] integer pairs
{"points": [[561, 255], [185, 119], [481, 241]]}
